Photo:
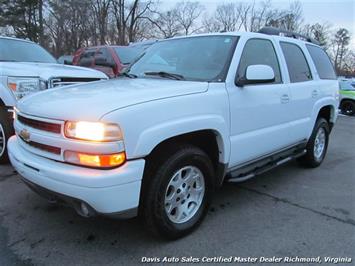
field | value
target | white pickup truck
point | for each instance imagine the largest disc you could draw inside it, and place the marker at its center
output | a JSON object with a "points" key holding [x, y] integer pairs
{"points": [[25, 68], [192, 112]]}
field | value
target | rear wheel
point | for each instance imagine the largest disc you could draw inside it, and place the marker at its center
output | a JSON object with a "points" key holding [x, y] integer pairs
{"points": [[5, 133], [317, 145], [177, 192], [348, 107]]}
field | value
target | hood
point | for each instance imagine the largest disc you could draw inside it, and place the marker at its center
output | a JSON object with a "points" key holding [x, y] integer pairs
{"points": [[92, 100], [46, 70]]}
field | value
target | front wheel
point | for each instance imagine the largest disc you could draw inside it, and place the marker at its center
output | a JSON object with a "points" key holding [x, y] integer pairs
{"points": [[317, 145], [348, 107], [5, 133], [177, 192]]}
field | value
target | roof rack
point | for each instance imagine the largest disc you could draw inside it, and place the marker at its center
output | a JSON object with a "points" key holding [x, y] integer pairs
{"points": [[287, 33]]}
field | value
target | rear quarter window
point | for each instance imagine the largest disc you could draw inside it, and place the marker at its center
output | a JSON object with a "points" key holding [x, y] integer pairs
{"points": [[322, 62]]}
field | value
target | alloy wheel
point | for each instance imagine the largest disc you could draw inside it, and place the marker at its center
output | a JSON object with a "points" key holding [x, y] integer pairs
{"points": [[319, 143], [2, 140], [184, 194]]}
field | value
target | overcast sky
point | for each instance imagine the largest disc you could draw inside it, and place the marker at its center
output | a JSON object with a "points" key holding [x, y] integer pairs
{"points": [[337, 13]]}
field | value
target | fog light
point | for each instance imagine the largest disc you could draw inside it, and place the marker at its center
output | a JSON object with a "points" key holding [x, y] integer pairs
{"points": [[93, 160]]}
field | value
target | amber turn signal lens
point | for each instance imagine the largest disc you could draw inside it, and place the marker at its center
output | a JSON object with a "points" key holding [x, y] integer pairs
{"points": [[12, 86], [92, 160]]}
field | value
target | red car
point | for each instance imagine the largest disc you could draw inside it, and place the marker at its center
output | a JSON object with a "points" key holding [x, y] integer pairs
{"points": [[109, 59]]}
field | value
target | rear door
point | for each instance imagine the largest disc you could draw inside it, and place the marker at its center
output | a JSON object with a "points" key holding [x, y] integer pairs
{"points": [[304, 89]]}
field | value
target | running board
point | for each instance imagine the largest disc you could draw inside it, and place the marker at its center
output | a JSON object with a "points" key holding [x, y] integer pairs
{"points": [[253, 169]]}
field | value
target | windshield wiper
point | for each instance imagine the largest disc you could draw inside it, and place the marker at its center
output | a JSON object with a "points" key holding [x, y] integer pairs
{"points": [[165, 75], [3, 60], [127, 74]]}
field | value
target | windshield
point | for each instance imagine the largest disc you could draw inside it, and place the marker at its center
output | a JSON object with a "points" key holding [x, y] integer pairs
{"points": [[20, 51], [128, 54], [204, 58]]}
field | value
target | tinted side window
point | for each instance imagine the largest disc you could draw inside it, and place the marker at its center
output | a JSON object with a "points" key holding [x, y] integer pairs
{"points": [[297, 65], [104, 54], [259, 52], [87, 57], [322, 62]]}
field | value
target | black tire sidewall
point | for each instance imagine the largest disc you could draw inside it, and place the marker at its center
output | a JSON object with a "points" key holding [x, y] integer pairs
{"points": [[321, 123], [344, 105], [6, 125], [186, 157]]}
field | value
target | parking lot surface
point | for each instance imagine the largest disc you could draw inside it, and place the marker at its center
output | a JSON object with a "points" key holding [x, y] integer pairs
{"points": [[289, 211]]}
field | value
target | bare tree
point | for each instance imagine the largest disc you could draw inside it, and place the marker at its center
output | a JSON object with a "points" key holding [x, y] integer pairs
{"points": [[348, 68], [101, 11], [259, 16], [340, 45], [227, 16], [290, 19], [319, 32], [128, 18], [187, 14], [166, 23], [24, 17], [67, 25]]}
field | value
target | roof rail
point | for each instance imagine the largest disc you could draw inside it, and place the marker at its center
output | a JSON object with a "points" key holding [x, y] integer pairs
{"points": [[287, 33]]}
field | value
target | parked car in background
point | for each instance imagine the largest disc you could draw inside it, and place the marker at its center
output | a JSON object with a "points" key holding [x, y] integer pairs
{"points": [[191, 113], [347, 97], [65, 59], [143, 44], [25, 68], [109, 59]]}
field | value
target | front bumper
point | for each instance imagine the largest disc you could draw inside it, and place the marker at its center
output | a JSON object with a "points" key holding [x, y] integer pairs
{"points": [[107, 192]]}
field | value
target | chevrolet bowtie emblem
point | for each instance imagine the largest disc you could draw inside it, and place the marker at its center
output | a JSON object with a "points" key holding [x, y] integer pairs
{"points": [[25, 135]]}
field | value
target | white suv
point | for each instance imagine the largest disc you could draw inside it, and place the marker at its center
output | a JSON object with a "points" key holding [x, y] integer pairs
{"points": [[192, 112], [25, 68]]}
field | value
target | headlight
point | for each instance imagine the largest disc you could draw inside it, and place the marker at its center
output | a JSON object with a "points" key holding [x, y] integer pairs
{"points": [[92, 131], [21, 86]]}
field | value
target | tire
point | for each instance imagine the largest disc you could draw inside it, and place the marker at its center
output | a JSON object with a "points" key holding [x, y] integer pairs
{"points": [[317, 145], [5, 133], [348, 107], [169, 189]]}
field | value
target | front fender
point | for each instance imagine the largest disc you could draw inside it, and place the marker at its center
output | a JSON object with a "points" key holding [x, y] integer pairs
{"points": [[152, 136]]}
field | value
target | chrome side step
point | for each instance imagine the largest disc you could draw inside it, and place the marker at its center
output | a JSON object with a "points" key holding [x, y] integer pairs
{"points": [[256, 168]]}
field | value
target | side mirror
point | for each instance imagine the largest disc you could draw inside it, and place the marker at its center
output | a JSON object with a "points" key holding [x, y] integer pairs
{"points": [[256, 74], [101, 61]]}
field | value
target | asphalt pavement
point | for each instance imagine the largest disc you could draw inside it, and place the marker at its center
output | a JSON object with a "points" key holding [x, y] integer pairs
{"points": [[288, 212]]}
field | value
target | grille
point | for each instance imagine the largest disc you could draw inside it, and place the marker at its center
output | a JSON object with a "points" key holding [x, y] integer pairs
{"points": [[41, 125], [43, 147], [57, 82]]}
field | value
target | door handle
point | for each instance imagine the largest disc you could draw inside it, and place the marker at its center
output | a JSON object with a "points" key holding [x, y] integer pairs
{"points": [[314, 93], [285, 98]]}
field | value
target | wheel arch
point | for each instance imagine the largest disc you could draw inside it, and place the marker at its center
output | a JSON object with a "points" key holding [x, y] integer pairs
{"points": [[327, 108], [208, 140], [6, 97], [328, 113]]}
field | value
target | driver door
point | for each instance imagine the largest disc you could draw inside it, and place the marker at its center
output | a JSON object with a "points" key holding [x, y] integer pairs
{"points": [[259, 112]]}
